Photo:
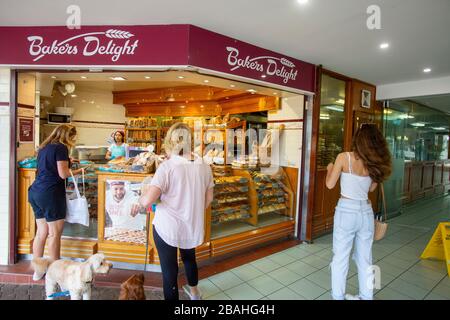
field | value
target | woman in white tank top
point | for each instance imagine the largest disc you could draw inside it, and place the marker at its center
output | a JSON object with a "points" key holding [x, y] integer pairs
{"points": [[360, 172]]}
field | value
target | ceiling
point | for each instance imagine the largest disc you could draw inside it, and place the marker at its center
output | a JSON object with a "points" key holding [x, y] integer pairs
{"points": [[102, 82], [328, 32], [438, 102]]}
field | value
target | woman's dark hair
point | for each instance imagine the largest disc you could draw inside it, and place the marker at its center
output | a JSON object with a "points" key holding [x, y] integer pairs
{"points": [[121, 133], [371, 147]]}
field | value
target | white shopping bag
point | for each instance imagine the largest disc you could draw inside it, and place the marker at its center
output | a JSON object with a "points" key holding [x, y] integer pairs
{"points": [[77, 208]]}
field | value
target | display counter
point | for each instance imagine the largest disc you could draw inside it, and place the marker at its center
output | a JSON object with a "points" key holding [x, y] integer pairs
{"points": [[249, 208]]}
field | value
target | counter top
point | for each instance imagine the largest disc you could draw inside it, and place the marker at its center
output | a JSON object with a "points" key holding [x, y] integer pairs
{"points": [[125, 174]]}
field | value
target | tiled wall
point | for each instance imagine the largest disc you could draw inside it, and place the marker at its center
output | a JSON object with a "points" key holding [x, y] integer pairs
{"points": [[4, 164], [90, 104]]}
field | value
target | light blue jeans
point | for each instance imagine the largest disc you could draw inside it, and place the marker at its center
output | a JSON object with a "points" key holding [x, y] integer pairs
{"points": [[353, 222]]}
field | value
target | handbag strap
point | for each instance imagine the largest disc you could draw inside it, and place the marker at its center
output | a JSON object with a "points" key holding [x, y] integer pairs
{"points": [[82, 177], [75, 183], [384, 201]]}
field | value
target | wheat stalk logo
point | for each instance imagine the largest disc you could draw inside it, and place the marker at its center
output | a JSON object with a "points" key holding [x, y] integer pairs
{"points": [[118, 34], [287, 63]]}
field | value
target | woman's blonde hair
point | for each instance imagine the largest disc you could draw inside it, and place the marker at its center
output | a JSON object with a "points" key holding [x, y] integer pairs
{"points": [[64, 134], [178, 139]]}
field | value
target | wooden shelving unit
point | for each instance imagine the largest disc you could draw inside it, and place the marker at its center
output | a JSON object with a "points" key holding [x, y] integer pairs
{"points": [[241, 124]]}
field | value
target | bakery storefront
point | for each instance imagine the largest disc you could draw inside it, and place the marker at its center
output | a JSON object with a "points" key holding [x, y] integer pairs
{"points": [[244, 104]]}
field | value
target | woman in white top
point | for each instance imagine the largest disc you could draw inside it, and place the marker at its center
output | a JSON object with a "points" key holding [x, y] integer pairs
{"points": [[360, 172], [185, 186]]}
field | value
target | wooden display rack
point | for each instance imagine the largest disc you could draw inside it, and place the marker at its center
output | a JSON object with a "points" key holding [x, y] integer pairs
{"points": [[241, 124], [157, 141], [253, 194]]}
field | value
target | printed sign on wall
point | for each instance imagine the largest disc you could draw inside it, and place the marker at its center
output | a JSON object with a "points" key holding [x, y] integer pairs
{"points": [[26, 130]]}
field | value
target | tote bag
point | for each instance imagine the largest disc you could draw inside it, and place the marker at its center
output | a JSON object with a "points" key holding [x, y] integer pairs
{"points": [[77, 209], [380, 226]]}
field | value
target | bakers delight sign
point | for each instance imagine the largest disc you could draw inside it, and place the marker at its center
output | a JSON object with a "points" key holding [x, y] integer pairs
{"points": [[110, 43], [168, 46], [267, 65]]}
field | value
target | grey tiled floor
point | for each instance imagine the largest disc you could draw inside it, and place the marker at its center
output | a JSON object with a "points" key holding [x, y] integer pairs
{"points": [[302, 272]]}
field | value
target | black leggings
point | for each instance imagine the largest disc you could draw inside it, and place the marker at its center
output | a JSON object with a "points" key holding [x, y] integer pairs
{"points": [[169, 266]]}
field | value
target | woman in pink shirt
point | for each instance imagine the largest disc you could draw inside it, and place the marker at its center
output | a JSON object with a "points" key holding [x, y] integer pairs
{"points": [[184, 184]]}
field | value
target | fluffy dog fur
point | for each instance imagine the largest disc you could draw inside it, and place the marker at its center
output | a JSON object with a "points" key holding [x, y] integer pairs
{"points": [[133, 288], [72, 276]]}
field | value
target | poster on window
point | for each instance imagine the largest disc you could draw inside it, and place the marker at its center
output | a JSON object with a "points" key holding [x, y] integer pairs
{"points": [[26, 130], [125, 218]]}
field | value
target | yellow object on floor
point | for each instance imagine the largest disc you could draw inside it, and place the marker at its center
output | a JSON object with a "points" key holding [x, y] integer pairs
{"points": [[439, 245]]}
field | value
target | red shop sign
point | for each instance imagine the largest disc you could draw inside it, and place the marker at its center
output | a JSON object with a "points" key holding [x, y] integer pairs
{"points": [[158, 45]]}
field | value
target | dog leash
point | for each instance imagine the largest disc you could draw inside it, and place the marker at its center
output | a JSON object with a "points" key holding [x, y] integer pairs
{"points": [[147, 226], [59, 294]]}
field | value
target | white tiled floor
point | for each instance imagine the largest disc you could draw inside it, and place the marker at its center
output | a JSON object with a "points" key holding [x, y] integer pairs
{"points": [[302, 272]]}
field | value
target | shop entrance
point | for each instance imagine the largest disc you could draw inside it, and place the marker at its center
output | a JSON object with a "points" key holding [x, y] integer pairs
{"points": [[252, 205]]}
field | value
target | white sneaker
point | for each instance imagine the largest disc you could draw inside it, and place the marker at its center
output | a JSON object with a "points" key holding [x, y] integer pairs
{"points": [[352, 297], [38, 276], [191, 296]]}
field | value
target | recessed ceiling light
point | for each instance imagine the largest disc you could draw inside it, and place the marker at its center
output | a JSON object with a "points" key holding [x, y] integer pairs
{"points": [[117, 78], [83, 77], [427, 70], [182, 107], [53, 77], [232, 85], [147, 77], [252, 91], [73, 95], [302, 1], [384, 45], [263, 76], [180, 77], [275, 93], [205, 81]]}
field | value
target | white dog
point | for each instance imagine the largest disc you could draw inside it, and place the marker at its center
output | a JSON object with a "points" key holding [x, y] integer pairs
{"points": [[72, 276]]}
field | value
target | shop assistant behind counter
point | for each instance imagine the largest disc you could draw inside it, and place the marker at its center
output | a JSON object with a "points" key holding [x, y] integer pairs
{"points": [[118, 148]]}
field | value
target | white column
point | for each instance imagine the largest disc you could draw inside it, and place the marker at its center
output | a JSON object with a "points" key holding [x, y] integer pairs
{"points": [[4, 164]]}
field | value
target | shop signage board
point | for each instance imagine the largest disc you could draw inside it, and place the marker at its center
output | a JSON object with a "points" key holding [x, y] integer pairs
{"points": [[214, 51], [155, 45], [439, 245], [95, 45]]}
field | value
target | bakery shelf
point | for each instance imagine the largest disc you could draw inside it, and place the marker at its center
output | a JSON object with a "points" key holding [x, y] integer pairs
{"points": [[142, 129]]}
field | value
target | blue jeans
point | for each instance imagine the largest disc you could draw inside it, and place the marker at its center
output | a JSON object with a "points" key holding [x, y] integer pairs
{"points": [[353, 222]]}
